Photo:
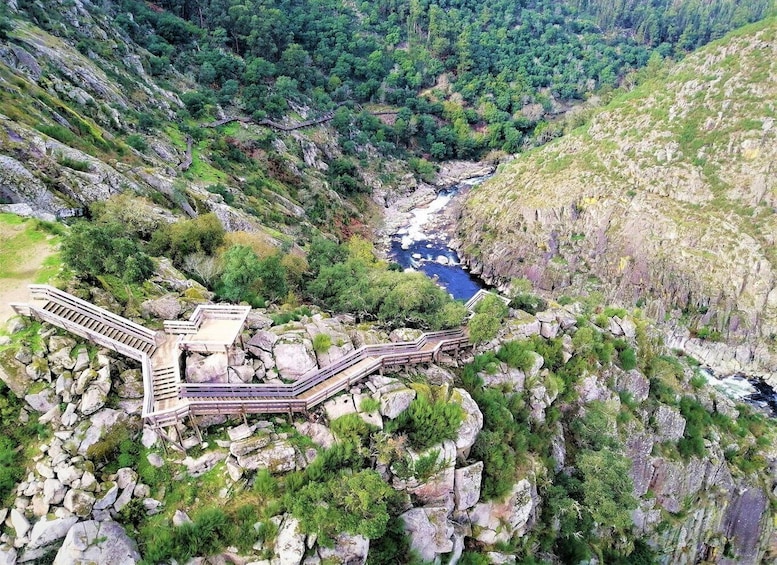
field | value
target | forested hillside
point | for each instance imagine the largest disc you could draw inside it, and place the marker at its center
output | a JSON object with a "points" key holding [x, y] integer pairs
{"points": [[457, 78], [243, 151], [665, 199]]}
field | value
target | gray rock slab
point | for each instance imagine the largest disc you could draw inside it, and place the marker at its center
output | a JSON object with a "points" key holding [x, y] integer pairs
{"points": [[97, 542]]}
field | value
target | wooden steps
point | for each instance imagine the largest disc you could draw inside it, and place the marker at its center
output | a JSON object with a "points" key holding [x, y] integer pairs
{"points": [[168, 400]]}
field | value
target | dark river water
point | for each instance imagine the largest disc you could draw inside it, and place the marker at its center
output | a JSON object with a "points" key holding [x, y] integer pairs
{"points": [[422, 245]]}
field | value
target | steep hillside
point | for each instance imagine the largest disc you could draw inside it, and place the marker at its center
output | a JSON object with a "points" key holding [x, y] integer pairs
{"points": [[86, 117], [667, 197]]}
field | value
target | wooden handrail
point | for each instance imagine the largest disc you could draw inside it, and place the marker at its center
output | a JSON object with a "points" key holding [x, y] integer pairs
{"points": [[214, 398], [81, 306]]}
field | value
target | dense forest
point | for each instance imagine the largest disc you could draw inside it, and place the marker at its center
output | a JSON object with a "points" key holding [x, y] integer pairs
{"points": [[456, 77]]}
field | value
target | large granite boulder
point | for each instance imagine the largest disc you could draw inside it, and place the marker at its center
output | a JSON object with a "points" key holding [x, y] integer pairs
{"points": [[670, 424], [97, 542], [289, 543], [494, 522], [430, 531], [278, 457], [347, 549], [294, 355], [93, 430], [46, 532], [467, 485], [341, 344], [165, 308], [207, 368], [471, 423]]}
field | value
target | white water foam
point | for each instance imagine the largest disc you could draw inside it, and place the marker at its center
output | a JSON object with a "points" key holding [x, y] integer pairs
{"points": [[736, 387]]}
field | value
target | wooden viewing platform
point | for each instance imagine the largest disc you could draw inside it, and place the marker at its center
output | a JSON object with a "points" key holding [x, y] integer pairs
{"points": [[168, 399]]}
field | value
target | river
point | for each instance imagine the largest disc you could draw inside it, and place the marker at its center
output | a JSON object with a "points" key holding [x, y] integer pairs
{"points": [[422, 245]]}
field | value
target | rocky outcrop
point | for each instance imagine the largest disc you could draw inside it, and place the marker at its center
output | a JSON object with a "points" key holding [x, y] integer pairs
{"points": [[97, 542], [431, 532], [642, 200], [494, 522], [294, 355]]}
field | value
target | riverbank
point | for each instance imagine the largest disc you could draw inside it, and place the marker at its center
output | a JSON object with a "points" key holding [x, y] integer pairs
{"points": [[400, 212]]}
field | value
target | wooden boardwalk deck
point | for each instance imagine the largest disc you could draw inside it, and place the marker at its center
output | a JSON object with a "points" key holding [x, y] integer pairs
{"points": [[168, 399]]}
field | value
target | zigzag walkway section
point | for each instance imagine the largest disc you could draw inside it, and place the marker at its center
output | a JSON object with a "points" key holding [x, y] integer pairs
{"points": [[168, 400]]}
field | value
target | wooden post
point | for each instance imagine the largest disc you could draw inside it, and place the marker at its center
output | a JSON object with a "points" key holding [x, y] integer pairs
{"points": [[243, 413], [159, 432], [195, 426]]}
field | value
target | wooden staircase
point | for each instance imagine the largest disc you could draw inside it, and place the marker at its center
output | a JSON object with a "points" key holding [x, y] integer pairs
{"points": [[168, 400], [92, 322]]}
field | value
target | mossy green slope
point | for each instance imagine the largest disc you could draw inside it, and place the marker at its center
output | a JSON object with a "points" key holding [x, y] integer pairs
{"points": [[666, 195]]}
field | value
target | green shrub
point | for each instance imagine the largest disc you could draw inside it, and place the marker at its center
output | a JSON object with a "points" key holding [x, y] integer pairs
{"points": [[517, 354], [353, 502], [58, 132], [628, 359], [484, 324], [75, 164], [428, 423], [351, 428], [427, 465], [295, 315], [137, 142], [322, 343], [392, 547], [222, 190], [203, 234], [111, 442], [103, 249], [528, 303], [342, 455], [210, 532], [707, 333], [369, 404], [265, 485], [697, 423], [10, 470]]}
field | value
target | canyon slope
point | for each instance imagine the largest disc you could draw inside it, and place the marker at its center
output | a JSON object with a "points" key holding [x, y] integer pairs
{"points": [[665, 198]]}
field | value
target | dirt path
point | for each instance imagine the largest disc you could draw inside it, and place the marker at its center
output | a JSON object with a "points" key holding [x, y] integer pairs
{"points": [[22, 265]]}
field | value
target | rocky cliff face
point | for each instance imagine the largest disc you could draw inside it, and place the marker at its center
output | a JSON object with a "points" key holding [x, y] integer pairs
{"points": [[667, 196]]}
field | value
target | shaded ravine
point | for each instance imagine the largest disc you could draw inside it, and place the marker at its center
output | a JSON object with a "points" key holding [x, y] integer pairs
{"points": [[422, 245]]}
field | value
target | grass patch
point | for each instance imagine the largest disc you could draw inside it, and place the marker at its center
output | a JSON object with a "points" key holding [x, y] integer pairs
{"points": [[20, 239]]}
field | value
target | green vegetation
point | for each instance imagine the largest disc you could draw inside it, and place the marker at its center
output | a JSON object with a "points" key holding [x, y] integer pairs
{"points": [[359, 284], [356, 503], [93, 250], [484, 324], [497, 57], [246, 277], [18, 442], [322, 343], [427, 421], [21, 238]]}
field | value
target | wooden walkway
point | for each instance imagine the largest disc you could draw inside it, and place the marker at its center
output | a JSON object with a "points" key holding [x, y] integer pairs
{"points": [[168, 399]]}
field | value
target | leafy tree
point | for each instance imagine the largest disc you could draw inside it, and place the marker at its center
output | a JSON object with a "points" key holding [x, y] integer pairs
{"points": [[203, 234], [241, 276], [607, 493], [484, 324], [324, 252], [273, 277], [94, 249]]}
